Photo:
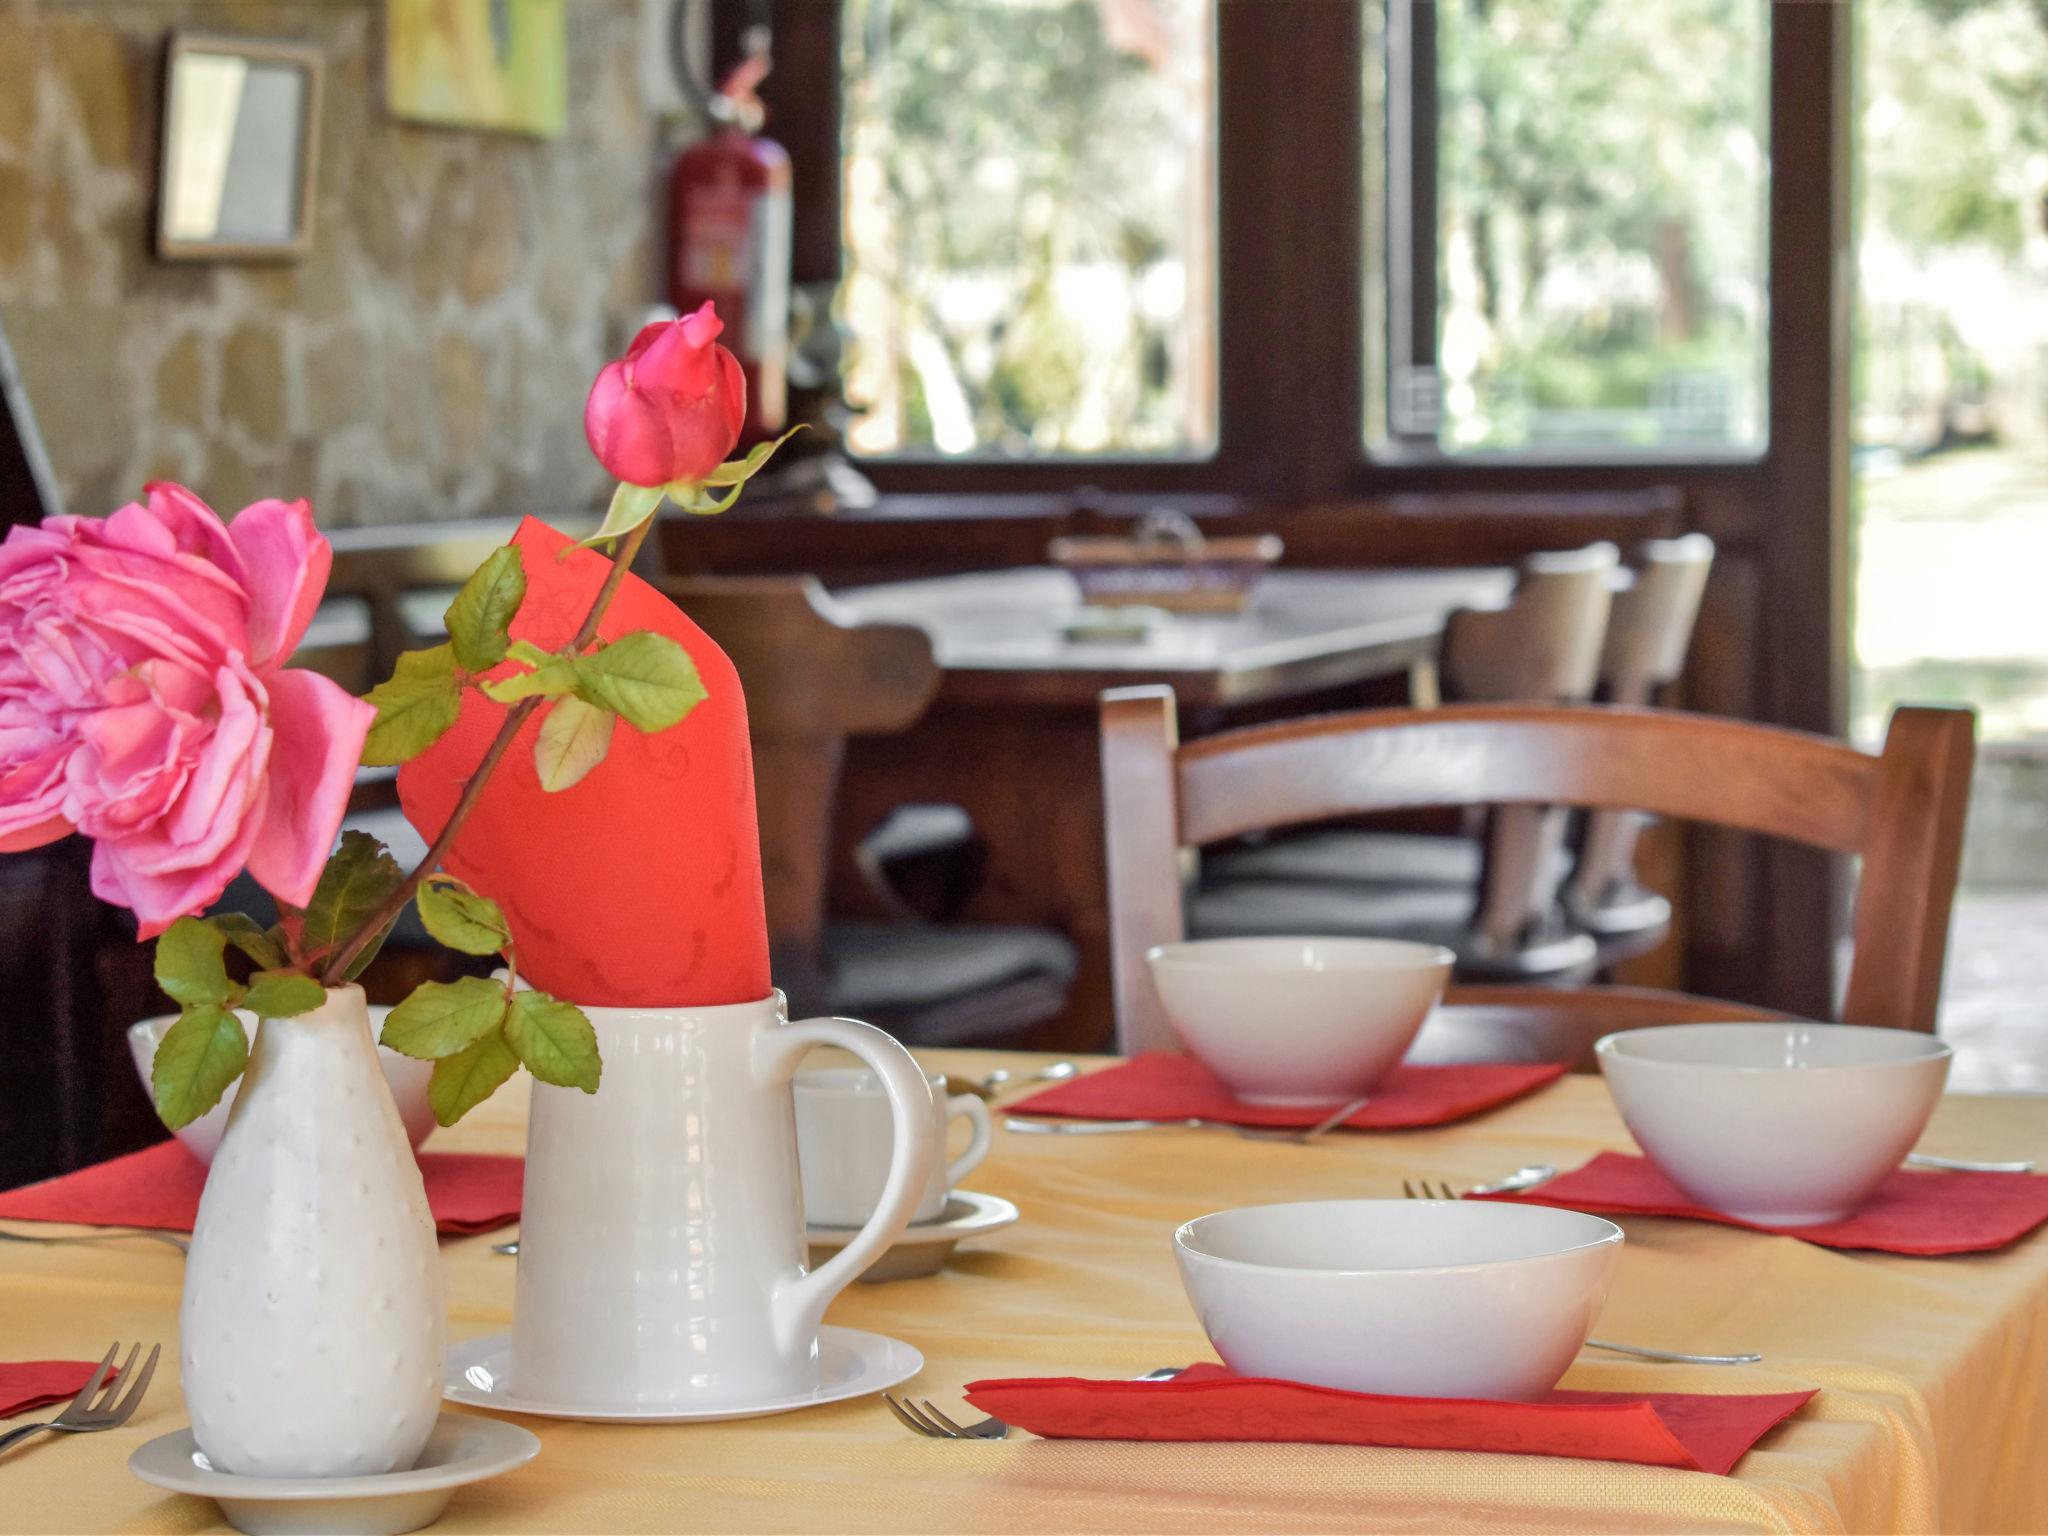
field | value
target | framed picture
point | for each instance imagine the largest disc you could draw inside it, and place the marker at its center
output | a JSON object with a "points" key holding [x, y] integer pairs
{"points": [[478, 63], [240, 146]]}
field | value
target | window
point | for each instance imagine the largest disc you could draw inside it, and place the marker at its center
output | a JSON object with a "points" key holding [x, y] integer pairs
{"points": [[1565, 205], [1029, 227]]}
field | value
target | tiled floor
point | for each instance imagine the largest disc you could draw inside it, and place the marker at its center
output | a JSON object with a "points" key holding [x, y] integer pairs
{"points": [[1994, 1007]]}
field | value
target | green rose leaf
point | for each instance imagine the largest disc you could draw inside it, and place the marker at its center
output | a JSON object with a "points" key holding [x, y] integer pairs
{"points": [[443, 1017], [280, 994], [357, 879], [361, 963], [646, 677], [191, 964], [480, 619], [199, 1056], [550, 676], [555, 1041], [464, 1080], [266, 948], [740, 471], [631, 506], [573, 740], [415, 706], [461, 919], [700, 501]]}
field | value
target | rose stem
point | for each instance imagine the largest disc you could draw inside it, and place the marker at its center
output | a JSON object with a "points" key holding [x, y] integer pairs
{"points": [[474, 789]]}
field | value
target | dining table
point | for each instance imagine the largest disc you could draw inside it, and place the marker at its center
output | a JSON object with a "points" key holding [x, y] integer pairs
{"points": [[1932, 1373], [1011, 737]]}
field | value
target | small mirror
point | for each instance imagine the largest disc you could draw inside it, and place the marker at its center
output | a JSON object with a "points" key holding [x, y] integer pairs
{"points": [[241, 128]]}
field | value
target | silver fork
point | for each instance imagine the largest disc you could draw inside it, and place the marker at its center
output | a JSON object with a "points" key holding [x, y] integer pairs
{"points": [[924, 1419], [1248, 1132], [85, 1414], [1423, 1189], [183, 1245], [934, 1425]]}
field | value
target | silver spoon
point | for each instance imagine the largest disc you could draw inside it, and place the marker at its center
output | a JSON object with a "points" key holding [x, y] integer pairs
{"points": [[183, 1245], [996, 1081], [1671, 1356], [1964, 1165]]}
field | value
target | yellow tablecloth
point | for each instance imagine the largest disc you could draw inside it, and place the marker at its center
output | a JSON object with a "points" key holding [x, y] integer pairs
{"points": [[1933, 1413]]}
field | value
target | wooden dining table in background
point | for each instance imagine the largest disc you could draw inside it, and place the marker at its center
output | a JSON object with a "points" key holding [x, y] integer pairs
{"points": [[1012, 736]]}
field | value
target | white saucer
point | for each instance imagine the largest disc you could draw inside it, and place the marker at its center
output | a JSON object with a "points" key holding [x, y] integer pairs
{"points": [[924, 1246], [463, 1449], [853, 1363]]}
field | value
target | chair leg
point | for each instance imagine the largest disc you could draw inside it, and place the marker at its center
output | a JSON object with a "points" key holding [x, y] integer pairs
{"points": [[1518, 884], [1607, 858]]}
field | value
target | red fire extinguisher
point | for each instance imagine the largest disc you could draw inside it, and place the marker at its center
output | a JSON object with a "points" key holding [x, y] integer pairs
{"points": [[729, 203]]}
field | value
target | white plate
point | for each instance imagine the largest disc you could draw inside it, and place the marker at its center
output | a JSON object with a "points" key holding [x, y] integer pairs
{"points": [[463, 1449], [852, 1362], [924, 1246]]}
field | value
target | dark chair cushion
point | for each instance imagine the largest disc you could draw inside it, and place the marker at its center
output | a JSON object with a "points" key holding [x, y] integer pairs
{"points": [[1341, 854], [1432, 914], [1423, 914], [934, 985]]}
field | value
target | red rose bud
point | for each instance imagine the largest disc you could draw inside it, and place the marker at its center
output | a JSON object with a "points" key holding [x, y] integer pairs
{"points": [[671, 409]]}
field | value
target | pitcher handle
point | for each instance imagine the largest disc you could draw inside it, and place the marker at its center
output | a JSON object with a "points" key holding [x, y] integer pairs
{"points": [[800, 1302]]}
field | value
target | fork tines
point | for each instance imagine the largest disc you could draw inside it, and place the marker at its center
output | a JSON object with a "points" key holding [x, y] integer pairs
{"points": [[107, 1410], [1422, 1189], [925, 1419]]}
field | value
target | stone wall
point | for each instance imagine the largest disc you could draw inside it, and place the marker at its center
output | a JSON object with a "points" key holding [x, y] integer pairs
{"points": [[427, 360]]}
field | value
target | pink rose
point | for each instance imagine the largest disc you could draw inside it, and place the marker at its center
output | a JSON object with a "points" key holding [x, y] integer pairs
{"points": [[672, 407], [144, 701]]}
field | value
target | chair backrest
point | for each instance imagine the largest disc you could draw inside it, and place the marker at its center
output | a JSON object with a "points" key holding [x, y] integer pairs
{"points": [[1544, 645], [814, 674], [1649, 628], [404, 574], [1901, 810]]}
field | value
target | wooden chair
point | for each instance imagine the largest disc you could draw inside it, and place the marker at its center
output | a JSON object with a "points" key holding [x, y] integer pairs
{"points": [[1901, 811], [1544, 646], [815, 675], [1649, 632]]}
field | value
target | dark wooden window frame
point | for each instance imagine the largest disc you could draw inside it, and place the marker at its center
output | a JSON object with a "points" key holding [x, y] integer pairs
{"points": [[1775, 633]]}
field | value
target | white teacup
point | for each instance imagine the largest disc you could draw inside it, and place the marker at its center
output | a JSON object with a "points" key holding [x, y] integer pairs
{"points": [[842, 1144]]}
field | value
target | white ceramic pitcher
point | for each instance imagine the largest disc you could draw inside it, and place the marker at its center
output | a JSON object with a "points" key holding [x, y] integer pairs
{"points": [[661, 1242]]}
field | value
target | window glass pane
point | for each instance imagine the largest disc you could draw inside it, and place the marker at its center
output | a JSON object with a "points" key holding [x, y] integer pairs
{"points": [[1569, 197], [1030, 227], [1950, 435]]}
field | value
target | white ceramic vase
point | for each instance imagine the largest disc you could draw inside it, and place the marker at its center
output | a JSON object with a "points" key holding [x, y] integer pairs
{"points": [[314, 1322], [661, 1240]]}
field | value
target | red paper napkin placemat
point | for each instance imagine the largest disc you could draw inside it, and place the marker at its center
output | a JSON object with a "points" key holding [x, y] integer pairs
{"points": [[1701, 1432], [159, 1187], [1912, 1212], [1159, 1085], [31, 1384]]}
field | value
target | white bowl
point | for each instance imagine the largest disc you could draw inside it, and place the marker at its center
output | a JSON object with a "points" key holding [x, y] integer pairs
{"points": [[408, 1080], [1786, 1124], [1412, 1298], [1298, 1020]]}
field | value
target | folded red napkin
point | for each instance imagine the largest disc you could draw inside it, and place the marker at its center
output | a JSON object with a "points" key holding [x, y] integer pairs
{"points": [[1912, 1212], [28, 1384], [1702, 1432], [159, 1187], [640, 886], [1159, 1085]]}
